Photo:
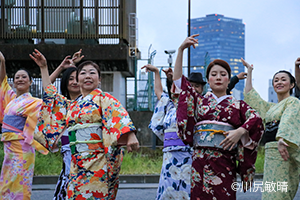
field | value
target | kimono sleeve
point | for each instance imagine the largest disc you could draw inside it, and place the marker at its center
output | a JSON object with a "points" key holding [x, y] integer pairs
{"points": [[289, 123], [6, 95], [254, 100], [247, 154], [31, 112], [52, 119], [252, 122], [115, 120], [186, 111], [158, 117]]}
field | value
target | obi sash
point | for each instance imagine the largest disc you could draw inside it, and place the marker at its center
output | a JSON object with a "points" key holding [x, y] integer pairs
{"points": [[210, 134], [86, 139], [271, 129], [15, 124], [171, 138]]}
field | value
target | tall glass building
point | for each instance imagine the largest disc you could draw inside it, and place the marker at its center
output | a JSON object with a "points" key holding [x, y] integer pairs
{"points": [[219, 37]]}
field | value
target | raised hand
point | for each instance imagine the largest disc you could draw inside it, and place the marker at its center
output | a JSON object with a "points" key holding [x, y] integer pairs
{"points": [[249, 67], [297, 62], [150, 68], [242, 75], [38, 58], [169, 73], [189, 41], [2, 58], [67, 62], [76, 58]]}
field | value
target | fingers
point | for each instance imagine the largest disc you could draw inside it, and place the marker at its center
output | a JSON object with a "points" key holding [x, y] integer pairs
{"points": [[132, 147], [195, 35], [284, 154], [129, 149]]}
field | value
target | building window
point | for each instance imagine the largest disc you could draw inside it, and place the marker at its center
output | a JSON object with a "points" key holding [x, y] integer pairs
{"points": [[107, 82]]}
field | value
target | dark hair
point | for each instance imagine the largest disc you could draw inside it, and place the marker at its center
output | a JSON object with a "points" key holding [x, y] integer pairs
{"points": [[85, 63], [28, 73], [169, 85], [220, 62], [292, 79], [65, 81]]}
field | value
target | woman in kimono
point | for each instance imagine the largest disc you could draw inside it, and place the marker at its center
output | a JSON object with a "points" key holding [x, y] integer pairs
{"points": [[174, 182], [18, 114], [281, 137], [70, 89], [221, 130], [97, 124]]}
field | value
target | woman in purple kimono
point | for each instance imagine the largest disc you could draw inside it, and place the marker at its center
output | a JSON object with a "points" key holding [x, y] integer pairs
{"points": [[221, 129]]}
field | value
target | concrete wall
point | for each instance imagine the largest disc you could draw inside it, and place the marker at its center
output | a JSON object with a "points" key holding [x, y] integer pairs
{"points": [[141, 121]]}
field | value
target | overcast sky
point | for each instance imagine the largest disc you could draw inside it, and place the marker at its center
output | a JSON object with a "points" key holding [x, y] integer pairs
{"points": [[272, 31]]}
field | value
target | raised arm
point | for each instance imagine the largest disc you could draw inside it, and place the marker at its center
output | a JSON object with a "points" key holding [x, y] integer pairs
{"points": [[77, 57], [41, 61], [189, 41], [297, 72], [248, 86], [234, 80], [157, 83], [66, 63], [2, 68]]}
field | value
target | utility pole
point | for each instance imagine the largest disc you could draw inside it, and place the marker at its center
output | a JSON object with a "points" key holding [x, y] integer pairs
{"points": [[189, 34]]}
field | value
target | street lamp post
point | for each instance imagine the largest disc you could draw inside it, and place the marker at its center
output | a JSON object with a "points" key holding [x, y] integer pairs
{"points": [[170, 52]]}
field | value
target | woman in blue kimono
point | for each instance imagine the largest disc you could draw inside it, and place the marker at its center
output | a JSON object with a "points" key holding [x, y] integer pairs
{"points": [[174, 182]]}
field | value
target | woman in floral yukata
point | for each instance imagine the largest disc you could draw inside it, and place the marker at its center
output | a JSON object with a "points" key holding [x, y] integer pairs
{"points": [[175, 176], [18, 114], [220, 129], [97, 124], [282, 135]]}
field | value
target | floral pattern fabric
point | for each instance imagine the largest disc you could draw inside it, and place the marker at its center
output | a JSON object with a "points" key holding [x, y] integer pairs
{"points": [[94, 173], [193, 108], [276, 169], [286, 111], [174, 182], [19, 146]]}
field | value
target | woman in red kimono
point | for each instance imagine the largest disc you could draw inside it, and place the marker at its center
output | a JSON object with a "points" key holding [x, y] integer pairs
{"points": [[221, 129]]}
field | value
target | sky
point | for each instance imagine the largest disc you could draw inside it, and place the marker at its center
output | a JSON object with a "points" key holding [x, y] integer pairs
{"points": [[272, 31]]}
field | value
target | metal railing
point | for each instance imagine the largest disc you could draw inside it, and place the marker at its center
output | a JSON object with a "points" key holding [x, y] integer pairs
{"points": [[67, 19]]}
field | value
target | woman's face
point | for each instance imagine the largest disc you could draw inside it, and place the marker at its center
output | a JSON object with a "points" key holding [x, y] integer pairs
{"points": [[72, 85], [282, 83], [218, 79], [22, 81], [88, 78]]}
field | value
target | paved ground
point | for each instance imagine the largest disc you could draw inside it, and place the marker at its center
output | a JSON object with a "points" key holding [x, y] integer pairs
{"points": [[146, 191]]}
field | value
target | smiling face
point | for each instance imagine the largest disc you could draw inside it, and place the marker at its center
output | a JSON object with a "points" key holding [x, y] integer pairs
{"points": [[73, 87], [218, 79], [88, 79], [282, 83], [22, 81]]}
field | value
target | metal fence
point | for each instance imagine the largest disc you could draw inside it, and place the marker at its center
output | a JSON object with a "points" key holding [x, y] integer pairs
{"points": [[100, 20]]}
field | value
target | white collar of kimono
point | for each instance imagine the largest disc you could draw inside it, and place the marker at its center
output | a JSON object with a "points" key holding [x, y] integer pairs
{"points": [[220, 98], [87, 97]]}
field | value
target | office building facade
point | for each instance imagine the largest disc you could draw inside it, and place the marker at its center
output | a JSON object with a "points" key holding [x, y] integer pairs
{"points": [[219, 37]]}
